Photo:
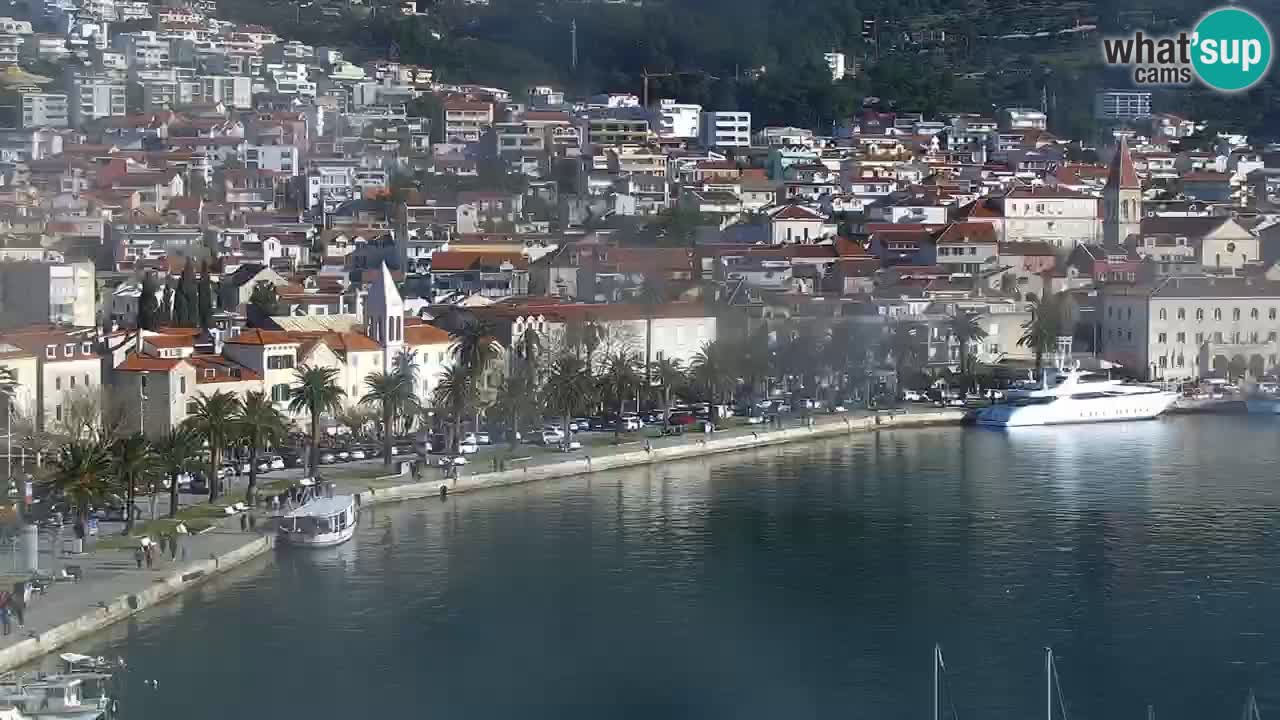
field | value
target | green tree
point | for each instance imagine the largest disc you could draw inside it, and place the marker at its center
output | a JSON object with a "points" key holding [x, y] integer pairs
{"points": [[133, 460], [315, 393], [905, 346], [569, 389], [264, 298], [619, 378], [457, 395], [668, 374], [148, 307], [474, 345], [966, 329], [178, 453], [1040, 332], [260, 425], [204, 300], [185, 299], [712, 373], [214, 420], [82, 474], [393, 393], [166, 305]]}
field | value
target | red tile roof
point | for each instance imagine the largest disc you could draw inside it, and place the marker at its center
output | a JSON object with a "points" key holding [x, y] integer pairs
{"points": [[147, 363], [968, 232], [453, 261], [423, 334], [797, 212], [255, 336]]}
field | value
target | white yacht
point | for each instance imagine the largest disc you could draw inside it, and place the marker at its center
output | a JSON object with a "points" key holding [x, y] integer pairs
{"points": [[320, 522], [1077, 396]]}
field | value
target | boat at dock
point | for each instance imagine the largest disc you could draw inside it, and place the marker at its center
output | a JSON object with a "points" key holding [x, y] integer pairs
{"points": [[1078, 396], [82, 692], [319, 522]]}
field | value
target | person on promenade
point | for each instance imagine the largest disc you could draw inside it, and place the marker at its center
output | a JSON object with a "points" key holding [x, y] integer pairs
{"points": [[5, 620], [150, 554], [244, 522], [173, 547], [138, 556]]}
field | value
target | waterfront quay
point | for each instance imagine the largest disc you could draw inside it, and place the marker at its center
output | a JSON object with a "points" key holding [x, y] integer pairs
{"points": [[112, 587]]}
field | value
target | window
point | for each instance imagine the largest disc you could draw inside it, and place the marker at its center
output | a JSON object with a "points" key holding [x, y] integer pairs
{"points": [[1163, 315], [1182, 313], [1217, 336], [1181, 337], [182, 386], [86, 348], [1199, 313], [1164, 361], [1181, 361], [1129, 314], [50, 351], [57, 413], [280, 393], [1217, 313], [1199, 338], [57, 383], [1235, 314], [1271, 314], [1162, 338], [73, 382], [1253, 337], [279, 362], [1253, 314], [87, 383], [69, 349], [193, 407], [1271, 336]]}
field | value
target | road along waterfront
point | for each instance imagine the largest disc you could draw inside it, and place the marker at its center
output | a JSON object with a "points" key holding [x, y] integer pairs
{"points": [[798, 580]]}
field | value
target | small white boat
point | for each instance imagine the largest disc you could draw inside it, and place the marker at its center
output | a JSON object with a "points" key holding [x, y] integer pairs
{"points": [[75, 696], [320, 522]]}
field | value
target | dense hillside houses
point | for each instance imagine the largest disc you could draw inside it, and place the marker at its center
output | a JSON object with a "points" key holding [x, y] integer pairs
{"points": [[191, 205]]}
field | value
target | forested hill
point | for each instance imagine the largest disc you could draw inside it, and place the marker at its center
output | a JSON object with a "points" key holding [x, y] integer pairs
{"points": [[924, 55]]}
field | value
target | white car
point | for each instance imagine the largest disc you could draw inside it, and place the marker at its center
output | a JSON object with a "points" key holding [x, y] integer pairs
{"points": [[913, 396], [551, 437], [357, 454], [631, 422], [468, 448], [483, 438], [572, 445], [277, 462], [328, 458], [755, 420], [344, 454]]}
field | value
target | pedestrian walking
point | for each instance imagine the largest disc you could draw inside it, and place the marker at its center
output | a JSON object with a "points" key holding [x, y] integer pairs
{"points": [[138, 556], [150, 557], [244, 522], [173, 547], [5, 621]]}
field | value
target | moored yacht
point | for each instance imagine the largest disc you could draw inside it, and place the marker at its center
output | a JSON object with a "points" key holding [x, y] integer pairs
{"points": [[1078, 396]]}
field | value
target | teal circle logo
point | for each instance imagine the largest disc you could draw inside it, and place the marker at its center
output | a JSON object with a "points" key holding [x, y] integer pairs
{"points": [[1231, 49]]}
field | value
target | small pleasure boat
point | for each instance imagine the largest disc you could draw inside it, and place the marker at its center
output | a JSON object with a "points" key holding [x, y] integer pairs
{"points": [[320, 522]]}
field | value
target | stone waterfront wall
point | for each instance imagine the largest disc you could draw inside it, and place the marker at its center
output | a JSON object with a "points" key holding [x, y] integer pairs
{"points": [[130, 603], [583, 464]]}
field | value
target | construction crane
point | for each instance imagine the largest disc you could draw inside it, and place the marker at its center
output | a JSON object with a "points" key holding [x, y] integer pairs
{"points": [[645, 75]]}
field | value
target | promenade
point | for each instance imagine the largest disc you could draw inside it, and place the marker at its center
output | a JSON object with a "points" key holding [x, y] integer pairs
{"points": [[112, 587]]}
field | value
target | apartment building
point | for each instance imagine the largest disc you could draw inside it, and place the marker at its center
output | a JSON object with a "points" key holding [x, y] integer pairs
{"points": [[40, 110], [726, 129]]}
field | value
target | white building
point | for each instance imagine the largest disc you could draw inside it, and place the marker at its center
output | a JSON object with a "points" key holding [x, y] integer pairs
{"points": [[835, 62], [280, 158], [678, 120], [1023, 119], [96, 98], [44, 110], [726, 129], [234, 91], [42, 293]]}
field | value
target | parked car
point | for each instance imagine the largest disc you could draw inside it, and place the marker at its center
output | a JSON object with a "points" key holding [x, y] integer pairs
{"points": [[631, 422], [572, 445], [755, 419], [277, 462], [551, 437], [483, 438], [357, 454], [328, 458], [913, 396], [468, 448], [343, 455]]}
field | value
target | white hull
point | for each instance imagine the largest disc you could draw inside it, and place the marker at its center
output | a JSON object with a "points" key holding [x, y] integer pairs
{"points": [[1262, 406], [1067, 410], [319, 540]]}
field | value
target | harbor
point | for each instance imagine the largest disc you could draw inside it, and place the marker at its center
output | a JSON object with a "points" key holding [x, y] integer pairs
{"points": [[808, 578]]}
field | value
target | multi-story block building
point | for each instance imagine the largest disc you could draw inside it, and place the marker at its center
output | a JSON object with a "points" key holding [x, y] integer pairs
{"points": [[726, 129]]}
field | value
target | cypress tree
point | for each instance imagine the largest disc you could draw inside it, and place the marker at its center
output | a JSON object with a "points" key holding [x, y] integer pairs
{"points": [[205, 300], [185, 310], [166, 305], [147, 306]]}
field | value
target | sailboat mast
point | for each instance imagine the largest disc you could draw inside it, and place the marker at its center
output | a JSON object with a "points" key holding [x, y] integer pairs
{"points": [[1048, 683], [937, 656]]}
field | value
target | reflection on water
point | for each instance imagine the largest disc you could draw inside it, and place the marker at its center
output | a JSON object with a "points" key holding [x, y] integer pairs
{"points": [[798, 581]]}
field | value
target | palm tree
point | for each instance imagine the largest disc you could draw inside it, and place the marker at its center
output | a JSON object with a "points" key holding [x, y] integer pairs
{"points": [[712, 371], [393, 393], [260, 424], [178, 452], [133, 460], [583, 334], [458, 396], [316, 393], [1040, 332], [653, 293], [906, 349], [81, 473], [618, 379], [569, 389], [214, 421], [474, 345], [966, 329], [669, 375]]}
